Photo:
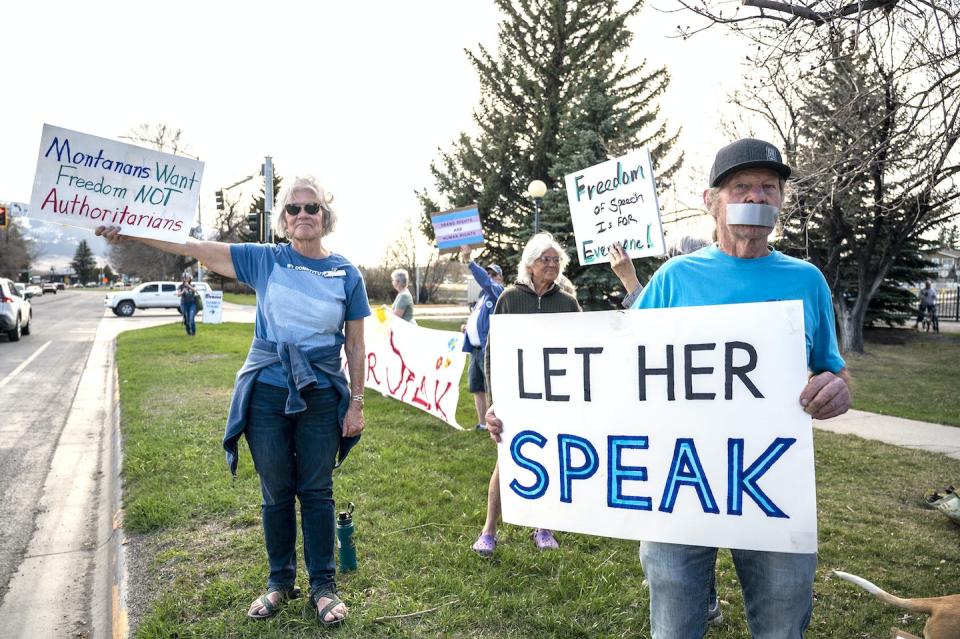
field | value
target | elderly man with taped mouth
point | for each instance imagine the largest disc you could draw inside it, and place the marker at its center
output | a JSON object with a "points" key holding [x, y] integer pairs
{"points": [[745, 195]]}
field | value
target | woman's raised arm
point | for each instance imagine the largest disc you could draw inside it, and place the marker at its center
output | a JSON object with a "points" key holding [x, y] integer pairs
{"points": [[214, 255]]}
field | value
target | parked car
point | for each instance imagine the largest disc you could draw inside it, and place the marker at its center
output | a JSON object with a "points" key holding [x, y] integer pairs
{"points": [[49, 287], [34, 290], [23, 290], [16, 314]]}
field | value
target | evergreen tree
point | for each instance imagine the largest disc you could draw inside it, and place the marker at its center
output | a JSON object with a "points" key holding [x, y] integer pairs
{"points": [[895, 302], [558, 97], [84, 264], [948, 237]]}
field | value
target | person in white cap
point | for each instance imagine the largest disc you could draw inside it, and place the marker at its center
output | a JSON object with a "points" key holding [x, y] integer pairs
{"points": [[745, 195]]}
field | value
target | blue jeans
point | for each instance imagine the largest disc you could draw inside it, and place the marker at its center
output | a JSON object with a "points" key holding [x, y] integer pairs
{"points": [[189, 311], [294, 457], [777, 590]]}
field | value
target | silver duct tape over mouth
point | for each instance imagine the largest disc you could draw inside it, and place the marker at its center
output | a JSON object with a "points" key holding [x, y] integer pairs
{"points": [[755, 214]]}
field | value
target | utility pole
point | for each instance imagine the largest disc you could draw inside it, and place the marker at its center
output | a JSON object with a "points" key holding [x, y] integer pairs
{"points": [[267, 198]]}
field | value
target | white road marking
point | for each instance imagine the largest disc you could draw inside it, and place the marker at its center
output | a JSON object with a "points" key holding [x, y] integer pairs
{"points": [[23, 365]]}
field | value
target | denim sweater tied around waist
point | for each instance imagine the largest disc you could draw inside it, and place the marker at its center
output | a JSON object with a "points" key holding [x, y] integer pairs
{"points": [[299, 366]]}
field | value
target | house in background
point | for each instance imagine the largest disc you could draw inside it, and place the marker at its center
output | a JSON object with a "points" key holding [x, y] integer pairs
{"points": [[945, 273]]}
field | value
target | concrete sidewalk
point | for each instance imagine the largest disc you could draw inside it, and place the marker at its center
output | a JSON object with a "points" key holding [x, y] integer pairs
{"points": [[76, 559], [898, 431]]}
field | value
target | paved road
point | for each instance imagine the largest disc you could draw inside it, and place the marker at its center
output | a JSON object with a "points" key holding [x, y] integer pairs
{"points": [[60, 564], [38, 380], [59, 471]]}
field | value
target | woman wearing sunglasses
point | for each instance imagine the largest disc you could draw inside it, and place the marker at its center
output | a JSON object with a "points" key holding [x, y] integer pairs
{"points": [[291, 400]]}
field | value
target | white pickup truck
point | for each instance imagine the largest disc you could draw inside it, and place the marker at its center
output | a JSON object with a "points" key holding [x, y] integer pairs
{"points": [[148, 295]]}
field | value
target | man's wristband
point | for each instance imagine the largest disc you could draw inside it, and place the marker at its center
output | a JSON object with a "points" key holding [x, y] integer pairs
{"points": [[356, 398]]}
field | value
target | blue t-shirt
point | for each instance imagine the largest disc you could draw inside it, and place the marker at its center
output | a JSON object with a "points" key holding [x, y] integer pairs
{"points": [[300, 300], [710, 276]]}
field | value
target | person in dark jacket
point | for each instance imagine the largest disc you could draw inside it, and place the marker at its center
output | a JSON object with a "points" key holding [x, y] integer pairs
{"points": [[490, 279], [536, 291]]}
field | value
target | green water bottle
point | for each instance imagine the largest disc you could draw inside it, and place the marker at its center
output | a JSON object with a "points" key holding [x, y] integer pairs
{"points": [[346, 549]]}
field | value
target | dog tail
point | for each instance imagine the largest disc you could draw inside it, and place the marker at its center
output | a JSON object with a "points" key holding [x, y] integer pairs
{"points": [[883, 595]]}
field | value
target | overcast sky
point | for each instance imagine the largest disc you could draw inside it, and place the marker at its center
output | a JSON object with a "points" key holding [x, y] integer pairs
{"points": [[361, 96]]}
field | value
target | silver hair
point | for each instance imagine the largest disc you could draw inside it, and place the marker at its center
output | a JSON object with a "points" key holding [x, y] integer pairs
{"points": [[324, 197], [536, 247], [686, 244], [401, 276]]}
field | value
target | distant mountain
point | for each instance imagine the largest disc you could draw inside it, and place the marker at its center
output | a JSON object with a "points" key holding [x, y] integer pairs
{"points": [[56, 243]]}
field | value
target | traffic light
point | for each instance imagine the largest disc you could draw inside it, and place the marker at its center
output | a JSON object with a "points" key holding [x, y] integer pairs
{"points": [[4, 216], [253, 223], [219, 195]]}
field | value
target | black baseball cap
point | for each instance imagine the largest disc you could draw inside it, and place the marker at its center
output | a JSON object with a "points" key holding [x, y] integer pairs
{"points": [[748, 153]]}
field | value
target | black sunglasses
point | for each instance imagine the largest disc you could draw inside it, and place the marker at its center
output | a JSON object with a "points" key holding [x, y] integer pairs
{"points": [[294, 209]]}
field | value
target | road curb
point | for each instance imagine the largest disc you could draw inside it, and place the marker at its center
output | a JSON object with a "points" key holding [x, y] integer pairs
{"points": [[109, 608]]}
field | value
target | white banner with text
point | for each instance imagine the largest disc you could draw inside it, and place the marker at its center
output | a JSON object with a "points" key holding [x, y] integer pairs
{"points": [[677, 425], [418, 366]]}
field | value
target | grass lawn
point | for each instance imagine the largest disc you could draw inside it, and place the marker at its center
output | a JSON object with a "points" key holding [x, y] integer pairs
{"points": [[907, 374], [420, 491], [248, 299]]}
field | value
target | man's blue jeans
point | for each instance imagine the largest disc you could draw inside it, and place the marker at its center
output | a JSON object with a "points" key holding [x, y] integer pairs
{"points": [[189, 311], [777, 590], [294, 456]]}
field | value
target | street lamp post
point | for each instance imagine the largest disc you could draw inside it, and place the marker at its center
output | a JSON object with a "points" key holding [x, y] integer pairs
{"points": [[536, 190]]}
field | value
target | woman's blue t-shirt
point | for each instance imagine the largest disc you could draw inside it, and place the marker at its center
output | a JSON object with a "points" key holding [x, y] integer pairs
{"points": [[300, 300]]}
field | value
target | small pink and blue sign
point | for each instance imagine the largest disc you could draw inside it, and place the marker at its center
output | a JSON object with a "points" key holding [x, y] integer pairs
{"points": [[452, 229]]}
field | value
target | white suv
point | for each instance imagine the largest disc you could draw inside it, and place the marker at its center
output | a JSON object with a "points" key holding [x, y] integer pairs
{"points": [[149, 295], [15, 311]]}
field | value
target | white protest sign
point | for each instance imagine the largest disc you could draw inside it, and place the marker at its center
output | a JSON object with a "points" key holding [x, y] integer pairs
{"points": [[418, 366], [678, 425], [615, 201], [86, 181], [213, 307]]}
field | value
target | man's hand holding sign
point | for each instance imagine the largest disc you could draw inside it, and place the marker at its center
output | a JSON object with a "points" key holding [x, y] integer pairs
{"points": [[826, 395]]}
